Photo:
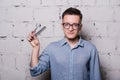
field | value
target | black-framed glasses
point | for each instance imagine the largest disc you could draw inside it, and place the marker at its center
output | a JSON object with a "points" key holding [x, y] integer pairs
{"points": [[68, 25]]}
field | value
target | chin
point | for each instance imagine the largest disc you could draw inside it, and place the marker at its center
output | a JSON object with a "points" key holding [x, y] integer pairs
{"points": [[71, 38]]}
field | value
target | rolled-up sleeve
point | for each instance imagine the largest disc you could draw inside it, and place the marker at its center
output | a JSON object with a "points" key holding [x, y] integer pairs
{"points": [[95, 73], [43, 65]]}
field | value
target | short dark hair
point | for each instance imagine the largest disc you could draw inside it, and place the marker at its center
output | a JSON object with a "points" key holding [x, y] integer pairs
{"points": [[72, 11]]}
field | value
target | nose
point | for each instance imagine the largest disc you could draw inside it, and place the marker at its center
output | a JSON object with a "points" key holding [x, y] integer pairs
{"points": [[71, 27]]}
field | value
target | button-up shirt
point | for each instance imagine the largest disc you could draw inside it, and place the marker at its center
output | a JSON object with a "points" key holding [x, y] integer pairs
{"points": [[66, 63]]}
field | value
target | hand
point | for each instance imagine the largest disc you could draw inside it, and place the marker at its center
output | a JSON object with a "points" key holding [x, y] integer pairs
{"points": [[34, 41]]}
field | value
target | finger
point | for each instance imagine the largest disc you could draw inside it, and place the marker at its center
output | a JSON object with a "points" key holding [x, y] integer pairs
{"points": [[32, 33], [35, 36], [30, 36], [29, 39]]}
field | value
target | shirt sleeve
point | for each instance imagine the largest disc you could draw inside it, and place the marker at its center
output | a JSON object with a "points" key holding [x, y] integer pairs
{"points": [[95, 73], [43, 65]]}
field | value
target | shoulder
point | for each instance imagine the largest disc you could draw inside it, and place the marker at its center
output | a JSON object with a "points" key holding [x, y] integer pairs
{"points": [[90, 47], [88, 44]]}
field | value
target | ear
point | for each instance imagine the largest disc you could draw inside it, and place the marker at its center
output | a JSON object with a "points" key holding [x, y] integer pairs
{"points": [[80, 27], [61, 24]]}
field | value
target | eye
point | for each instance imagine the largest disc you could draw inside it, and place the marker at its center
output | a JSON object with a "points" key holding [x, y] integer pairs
{"points": [[76, 24], [66, 24]]}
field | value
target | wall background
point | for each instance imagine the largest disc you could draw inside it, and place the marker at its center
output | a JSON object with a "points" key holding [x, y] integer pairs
{"points": [[101, 26]]}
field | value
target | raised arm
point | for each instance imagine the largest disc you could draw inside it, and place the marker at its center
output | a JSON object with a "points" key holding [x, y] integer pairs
{"points": [[34, 41]]}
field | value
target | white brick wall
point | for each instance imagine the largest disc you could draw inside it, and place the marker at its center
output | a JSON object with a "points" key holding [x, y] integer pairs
{"points": [[16, 14], [101, 21]]}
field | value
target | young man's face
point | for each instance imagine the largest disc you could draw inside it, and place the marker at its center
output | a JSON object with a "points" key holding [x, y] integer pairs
{"points": [[71, 26]]}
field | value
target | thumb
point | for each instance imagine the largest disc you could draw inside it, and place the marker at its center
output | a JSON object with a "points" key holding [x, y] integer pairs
{"points": [[33, 34]]}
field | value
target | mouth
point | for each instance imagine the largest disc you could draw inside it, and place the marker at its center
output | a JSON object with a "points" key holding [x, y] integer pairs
{"points": [[70, 32]]}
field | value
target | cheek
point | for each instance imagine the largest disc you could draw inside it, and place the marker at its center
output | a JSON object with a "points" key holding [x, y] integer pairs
{"points": [[77, 31]]}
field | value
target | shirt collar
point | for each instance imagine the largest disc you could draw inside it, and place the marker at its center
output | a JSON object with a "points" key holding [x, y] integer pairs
{"points": [[80, 43], [63, 42]]}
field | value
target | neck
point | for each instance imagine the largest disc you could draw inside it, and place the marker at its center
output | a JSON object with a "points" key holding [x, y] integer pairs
{"points": [[73, 42]]}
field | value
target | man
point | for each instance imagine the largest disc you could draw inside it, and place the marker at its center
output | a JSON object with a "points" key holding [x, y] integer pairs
{"points": [[71, 58]]}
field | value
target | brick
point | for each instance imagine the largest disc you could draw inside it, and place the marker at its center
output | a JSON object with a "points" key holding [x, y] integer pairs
{"points": [[104, 44], [118, 46], [10, 45], [46, 14], [13, 2], [114, 2], [8, 60], [114, 62], [101, 29], [113, 29], [25, 44], [3, 13], [62, 2], [48, 2], [58, 30], [1, 61], [18, 14], [22, 62], [16, 66], [116, 16], [76, 2], [88, 29], [88, 2], [95, 28], [22, 29], [104, 61], [54, 2], [0, 76], [97, 13], [102, 2], [33, 4], [113, 75], [5, 29], [10, 74], [15, 45]]}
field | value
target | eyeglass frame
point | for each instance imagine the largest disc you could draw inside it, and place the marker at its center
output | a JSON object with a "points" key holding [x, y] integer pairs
{"points": [[72, 25]]}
